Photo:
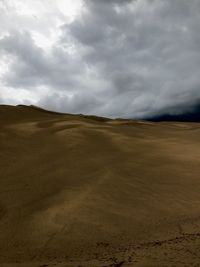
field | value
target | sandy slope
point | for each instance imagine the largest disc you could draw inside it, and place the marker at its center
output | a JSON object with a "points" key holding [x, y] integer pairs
{"points": [[88, 191]]}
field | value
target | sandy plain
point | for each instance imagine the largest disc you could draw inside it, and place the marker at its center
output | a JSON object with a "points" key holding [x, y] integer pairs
{"points": [[87, 191]]}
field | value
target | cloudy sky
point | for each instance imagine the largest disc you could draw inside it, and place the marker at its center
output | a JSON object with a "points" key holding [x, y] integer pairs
{"points": [[117, 58]]}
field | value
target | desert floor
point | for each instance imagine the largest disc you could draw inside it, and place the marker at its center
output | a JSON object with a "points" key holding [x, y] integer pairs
{"points": [[87, 191]]}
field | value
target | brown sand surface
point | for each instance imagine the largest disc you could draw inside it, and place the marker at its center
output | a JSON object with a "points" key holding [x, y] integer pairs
{"points": [[86, 191]]}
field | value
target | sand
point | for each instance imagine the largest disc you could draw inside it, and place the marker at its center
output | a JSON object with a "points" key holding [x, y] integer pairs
{"points": [[87, 191]]}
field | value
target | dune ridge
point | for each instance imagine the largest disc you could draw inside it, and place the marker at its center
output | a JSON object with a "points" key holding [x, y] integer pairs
{"points": [[79, 190]]}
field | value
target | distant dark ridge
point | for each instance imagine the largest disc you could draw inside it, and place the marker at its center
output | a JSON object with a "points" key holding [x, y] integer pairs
{"points": [[192, 116]]}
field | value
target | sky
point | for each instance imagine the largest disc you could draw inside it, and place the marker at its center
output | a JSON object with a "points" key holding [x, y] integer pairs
{"points": [[115, 58]]}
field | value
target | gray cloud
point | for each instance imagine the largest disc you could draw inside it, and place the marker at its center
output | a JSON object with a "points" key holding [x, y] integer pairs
{"points": [[119, 58]]}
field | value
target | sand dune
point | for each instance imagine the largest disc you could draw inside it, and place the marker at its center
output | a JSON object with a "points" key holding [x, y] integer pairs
{"points": [[87, 191]]}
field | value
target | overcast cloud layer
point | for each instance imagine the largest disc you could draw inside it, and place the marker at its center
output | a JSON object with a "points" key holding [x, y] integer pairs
{"points": [[106, 57]]}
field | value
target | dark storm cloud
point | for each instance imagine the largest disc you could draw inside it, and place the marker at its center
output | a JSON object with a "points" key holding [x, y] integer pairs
{"points": [[130, 58], [149, 54]]}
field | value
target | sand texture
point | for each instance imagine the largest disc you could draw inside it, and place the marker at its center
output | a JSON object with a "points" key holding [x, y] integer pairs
{"points": [[84, 191]]}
